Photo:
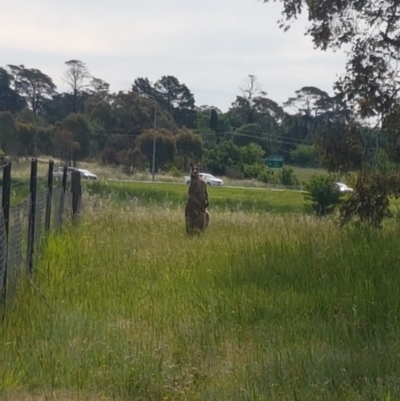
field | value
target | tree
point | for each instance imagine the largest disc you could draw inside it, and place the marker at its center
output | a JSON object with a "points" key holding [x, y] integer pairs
{"points": [[110, 156], [26, 139], [32, 84], [100, 112], [131, 160], [223, 156], [304, 156], [391, 129], [242, 110], [342, 149], [249, 133], [132, 113], [214, 120], [56, 108], [8, 133], [252, 161], [177, 99], [369, 203], [322, 198], [251, 90], [80, 127], [10, 100], [370, 29], [189, 146], [64, 145], [77, 78], [252, 154], [143, 86], [99, 88], [165, 147], [288, 177], [120, 142], [309, 101]]}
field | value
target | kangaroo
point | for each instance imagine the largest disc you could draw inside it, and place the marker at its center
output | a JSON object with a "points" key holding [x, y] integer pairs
{"points": [[197, 217]]}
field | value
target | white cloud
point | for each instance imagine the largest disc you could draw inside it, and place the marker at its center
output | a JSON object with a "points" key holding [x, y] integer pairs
{"points": [[210, 45]]}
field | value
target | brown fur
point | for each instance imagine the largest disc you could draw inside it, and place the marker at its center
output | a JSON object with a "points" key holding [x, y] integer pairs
{"points": [[197, 218]]}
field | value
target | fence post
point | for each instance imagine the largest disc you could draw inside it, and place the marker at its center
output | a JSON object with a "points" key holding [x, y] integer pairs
{"points": [[49, 194], [32, 214], [76, 190], [64, 188], [5, 203]]}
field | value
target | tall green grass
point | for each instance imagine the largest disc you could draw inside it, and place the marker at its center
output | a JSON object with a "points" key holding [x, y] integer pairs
{"points": [[20, 188], [221, 198], [262, 307]]}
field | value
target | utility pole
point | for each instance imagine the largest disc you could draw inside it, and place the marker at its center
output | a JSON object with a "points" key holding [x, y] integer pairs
{"points": [[153, 164], [154, 139]]}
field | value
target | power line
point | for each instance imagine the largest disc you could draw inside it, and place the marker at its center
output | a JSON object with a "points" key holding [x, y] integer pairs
{"points": [[233, 133]]}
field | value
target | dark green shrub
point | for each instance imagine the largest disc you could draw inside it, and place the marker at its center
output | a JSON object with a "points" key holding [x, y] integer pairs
{"points": [[268, 176], [322, 198], [287, 177], [252, 170], [369, 203]]}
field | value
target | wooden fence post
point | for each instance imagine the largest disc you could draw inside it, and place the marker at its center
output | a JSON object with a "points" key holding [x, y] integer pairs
{"points": [[64, 188], [49, 195], [76, 189], [5, 203], [32, 214]]}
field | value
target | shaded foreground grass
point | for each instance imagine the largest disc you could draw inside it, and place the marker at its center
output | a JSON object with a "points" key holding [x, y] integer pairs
{"points": [[262, 308]]}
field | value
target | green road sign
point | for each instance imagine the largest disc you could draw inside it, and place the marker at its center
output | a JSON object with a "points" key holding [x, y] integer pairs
{"points": [[274, 161]]}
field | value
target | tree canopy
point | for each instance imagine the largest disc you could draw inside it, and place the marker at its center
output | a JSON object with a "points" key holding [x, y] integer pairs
{"points": [[369, 30]]}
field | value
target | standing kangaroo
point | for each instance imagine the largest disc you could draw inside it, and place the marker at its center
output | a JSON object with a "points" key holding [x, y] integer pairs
{"points": [[197, 218]]}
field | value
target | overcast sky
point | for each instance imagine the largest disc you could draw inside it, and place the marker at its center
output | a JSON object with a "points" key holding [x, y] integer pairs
{"points": [[210, 45]]}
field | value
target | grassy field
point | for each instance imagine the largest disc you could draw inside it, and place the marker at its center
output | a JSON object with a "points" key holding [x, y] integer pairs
{"points": [[221, 198], [263, 307], [174, 195], [22, 170], [170, 194]]}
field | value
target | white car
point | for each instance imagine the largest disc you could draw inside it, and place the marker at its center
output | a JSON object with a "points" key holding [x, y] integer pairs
{"points": [[342, 187], [59, 171], [85, 174], [208, 178]]}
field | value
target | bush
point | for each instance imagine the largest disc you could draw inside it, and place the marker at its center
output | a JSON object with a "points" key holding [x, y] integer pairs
{"points": [[252, 154], [234, 173], [221, 157], [287, 177], [132, 160], [369, 204], [384, 164], [268, 176], [304, 156], [174, 171], [110, 156], [252, 170], [322, 198]]}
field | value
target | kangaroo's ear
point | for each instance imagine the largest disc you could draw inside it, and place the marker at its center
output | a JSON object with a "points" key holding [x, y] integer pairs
{"points": [[198, 165], [191, 166]]}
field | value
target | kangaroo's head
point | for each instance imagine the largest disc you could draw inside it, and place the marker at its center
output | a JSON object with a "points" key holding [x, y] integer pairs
{"points": [[194, 171]]}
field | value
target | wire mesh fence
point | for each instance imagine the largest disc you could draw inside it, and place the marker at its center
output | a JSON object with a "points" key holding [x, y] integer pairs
{"points": [[25, 225]]}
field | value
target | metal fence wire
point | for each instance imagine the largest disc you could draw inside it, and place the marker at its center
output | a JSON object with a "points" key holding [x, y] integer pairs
{"points": [[18, 245], [3, 254]]}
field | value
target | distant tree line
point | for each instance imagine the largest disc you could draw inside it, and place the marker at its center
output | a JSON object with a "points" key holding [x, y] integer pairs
{"points": [[90, 122]]}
